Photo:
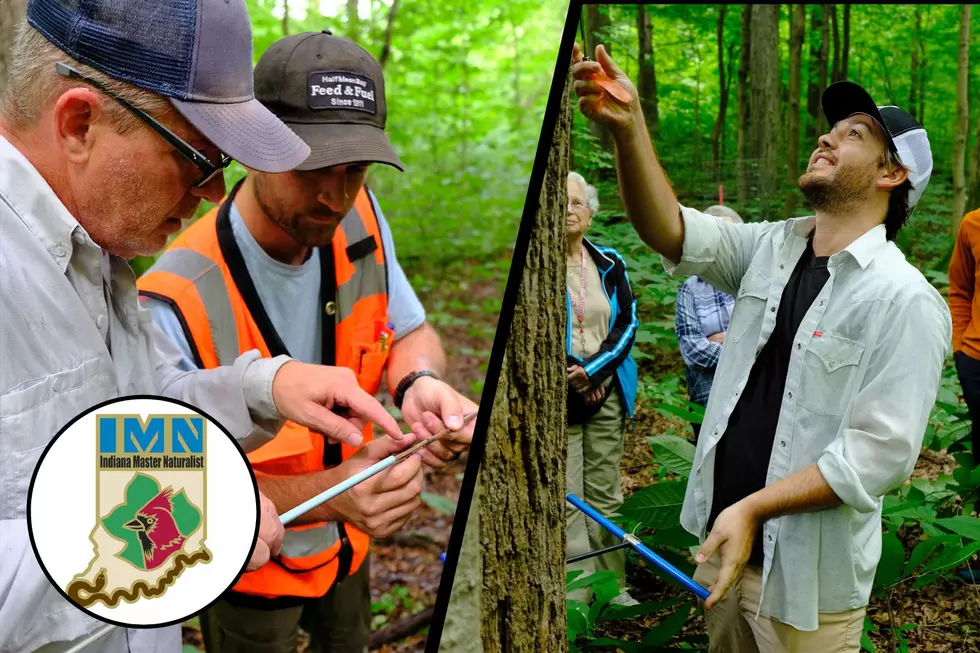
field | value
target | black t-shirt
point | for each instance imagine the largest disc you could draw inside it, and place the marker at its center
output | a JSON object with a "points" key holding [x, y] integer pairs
{"points": [[742, 459]]}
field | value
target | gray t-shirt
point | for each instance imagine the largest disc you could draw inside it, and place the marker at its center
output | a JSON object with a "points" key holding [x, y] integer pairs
{"points": [[290, 295]]}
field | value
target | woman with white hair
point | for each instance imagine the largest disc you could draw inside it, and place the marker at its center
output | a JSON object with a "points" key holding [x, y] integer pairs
{"points": [[601, 380]]}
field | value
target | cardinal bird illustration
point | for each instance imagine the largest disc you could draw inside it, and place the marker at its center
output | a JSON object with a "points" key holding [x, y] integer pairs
{"points": [[157, 531]]}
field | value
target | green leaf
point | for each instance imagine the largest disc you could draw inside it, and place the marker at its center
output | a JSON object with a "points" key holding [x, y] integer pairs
{"points": [[439, 503], [619, 613], [605, 592], [926, 548], [578, 619], [892, 559], [676, 538], [952, 557], [866, 643], [190, 649], [657, 505], [674, 453], [684, 413], [968, 527], [623, 645], [668, 627], [591, 580]]}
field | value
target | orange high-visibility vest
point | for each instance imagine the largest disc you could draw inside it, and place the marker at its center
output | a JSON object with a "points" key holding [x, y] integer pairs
{"points": [[203, 277]]}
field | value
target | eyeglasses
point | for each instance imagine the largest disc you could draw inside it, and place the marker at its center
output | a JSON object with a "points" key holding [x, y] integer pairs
{"points": [[208, 169], [576, 203]]}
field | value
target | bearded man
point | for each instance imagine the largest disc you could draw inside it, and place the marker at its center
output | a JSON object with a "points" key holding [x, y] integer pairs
{"points": [[831, 365]]}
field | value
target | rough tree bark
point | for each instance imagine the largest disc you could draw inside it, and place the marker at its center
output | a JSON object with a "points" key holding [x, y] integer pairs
{"points": [[522, 477], [386, 48], [742, 182], [648, 72], [796, 29], [847, 41], [719, 130], [764, 102], [962, 119], [11, 13]]}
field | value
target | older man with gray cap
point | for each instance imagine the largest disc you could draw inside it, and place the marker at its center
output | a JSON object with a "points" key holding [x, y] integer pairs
{"points": [[117, 119], [831, 365]]}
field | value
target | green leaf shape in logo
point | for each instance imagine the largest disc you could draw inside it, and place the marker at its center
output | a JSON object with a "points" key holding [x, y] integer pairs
{"points": [[139, 492]]}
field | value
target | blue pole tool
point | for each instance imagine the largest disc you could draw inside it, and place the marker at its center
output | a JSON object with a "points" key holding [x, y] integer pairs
{"points": [[638, 546], [376, 468]]}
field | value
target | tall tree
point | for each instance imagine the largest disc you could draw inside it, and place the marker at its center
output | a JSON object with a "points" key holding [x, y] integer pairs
{"points": [[847, 41], [11, 13], [797, 26], [814, 64], [824, 58], [764, 101], [914, 85], [522, 475], [973, 201], [743, 106], [962, 118], [353, 21], [596, 32], [835, 66], [717, 136], [648, 73], [386, 48]]}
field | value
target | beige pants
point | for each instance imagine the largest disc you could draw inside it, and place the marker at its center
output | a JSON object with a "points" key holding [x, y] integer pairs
{"points": [[592, 474], [733, 628]]}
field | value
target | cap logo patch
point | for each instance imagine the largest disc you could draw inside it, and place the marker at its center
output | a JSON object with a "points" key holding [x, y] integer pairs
{"points": [[335, 89]]}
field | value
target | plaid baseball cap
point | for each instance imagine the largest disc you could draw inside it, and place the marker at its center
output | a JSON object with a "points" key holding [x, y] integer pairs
{"points": [[903, 133], [196, 53], [331, 92]]}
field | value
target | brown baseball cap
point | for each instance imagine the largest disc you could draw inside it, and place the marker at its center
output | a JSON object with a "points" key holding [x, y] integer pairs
{"points": [[330, 92]]}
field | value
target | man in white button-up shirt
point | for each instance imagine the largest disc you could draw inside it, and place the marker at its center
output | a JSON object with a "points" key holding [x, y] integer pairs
{"points": [[831, 366], [93, 170]]}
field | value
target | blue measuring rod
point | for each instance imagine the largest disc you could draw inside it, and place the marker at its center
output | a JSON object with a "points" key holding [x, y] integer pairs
{"points": [[638, 546]]}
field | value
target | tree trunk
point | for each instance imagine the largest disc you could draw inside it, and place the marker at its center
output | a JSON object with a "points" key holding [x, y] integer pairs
{"points": [[522, 476], [696, 151], [814, 89], [285, 17], [386, 48], [962, 119], [718, 134], [596, 32], [11, 13], [353, 21], [824, 58], [835, 66], [847, 41], [743, 106], [973, 202], [797, 27], [914, 86], [648, 73], [764, 102]]}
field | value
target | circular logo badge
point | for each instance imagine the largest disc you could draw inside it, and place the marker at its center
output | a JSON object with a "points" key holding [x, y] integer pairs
{"points": [[143, 511]]}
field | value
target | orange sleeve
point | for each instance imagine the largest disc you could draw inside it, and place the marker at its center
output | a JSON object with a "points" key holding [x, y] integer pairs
{"points": [[962, 272]]}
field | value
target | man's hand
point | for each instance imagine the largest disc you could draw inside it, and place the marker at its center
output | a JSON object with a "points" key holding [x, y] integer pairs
{"points": [[313, 395], [430, 406], [595, 102], [578, 379], [732, 536], [593, 397], [717, 337], [382, 504], [270, 537]]}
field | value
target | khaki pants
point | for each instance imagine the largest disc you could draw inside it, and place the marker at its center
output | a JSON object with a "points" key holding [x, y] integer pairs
{"points": [[339, 622], [733, 628], [592, 473]]}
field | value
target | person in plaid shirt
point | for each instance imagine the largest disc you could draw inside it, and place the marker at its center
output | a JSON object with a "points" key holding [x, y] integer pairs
{"points": [[700, 324]]}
